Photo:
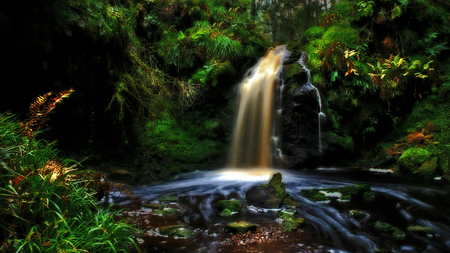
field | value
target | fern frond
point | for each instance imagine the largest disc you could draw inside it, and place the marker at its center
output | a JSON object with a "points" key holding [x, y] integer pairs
{"points": [[39, 111]]}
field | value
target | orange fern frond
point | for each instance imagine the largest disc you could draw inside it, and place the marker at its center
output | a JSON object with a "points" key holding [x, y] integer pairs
{"points": [[39, 111]]}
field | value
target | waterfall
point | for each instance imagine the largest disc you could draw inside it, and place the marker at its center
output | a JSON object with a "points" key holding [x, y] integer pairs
{"points": [[320, 116], [255, 134]]}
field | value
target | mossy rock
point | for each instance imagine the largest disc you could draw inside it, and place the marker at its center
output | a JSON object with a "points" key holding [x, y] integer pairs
{"points": [[270, 195], [154, 206], [346, 197], [176, 231], [428, 168], [419, 230], [319, 197], [232, 205], [290, 202], [398, 234], [309, 193], [386, 227], [413, 158], [226, 212], [291, 70], [167, 211], [356, 191], [240, 227], [289, 221], [276, 181], [168, 199], [292, 224], [357, 214]]}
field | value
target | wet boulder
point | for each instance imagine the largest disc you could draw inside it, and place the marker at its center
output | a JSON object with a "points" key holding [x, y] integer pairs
{"points": [[269, 195]]}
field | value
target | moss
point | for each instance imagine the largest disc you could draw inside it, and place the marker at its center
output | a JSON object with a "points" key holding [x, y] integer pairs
{"points": [[413, 158], [346, 197], [226, 212], [232, 205], [420, 230], [356, 191], [289, 221], [386, 227], [309, 193], [398, 234], [196, 142], [291, 70], [319, 197], [428, 168], [240, 227], [176, 231]]}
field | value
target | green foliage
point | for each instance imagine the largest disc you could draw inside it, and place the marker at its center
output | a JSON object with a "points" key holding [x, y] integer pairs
{"points": [[346, 36], [413, 157], [187, 145], [315, 32], [43, 207]]}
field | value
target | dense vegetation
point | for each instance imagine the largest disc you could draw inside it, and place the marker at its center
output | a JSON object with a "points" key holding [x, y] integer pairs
{"points": [[153, 82]]}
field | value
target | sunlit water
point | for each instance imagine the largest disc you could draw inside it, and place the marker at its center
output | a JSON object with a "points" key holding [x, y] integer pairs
{"points": [[396, 202]]}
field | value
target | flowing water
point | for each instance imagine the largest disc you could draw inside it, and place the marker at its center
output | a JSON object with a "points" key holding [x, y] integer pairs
{"points": [[329, 226]]}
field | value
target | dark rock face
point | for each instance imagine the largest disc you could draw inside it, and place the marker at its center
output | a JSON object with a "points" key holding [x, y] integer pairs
{"points": [[300, 134], [269, 195]]}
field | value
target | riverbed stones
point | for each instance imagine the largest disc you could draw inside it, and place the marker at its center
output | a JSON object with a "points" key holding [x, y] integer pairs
{"points": [[269, 195], [240, 227]]}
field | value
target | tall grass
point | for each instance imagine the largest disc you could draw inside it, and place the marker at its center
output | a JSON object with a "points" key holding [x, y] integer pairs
{"points": [[44, 207]]}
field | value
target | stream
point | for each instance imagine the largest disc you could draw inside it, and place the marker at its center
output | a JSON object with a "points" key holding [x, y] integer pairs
{"points": [[329, 227]]}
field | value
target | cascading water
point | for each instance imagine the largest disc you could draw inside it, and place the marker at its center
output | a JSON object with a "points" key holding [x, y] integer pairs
{"points": [[321, 116], [252, 143]]}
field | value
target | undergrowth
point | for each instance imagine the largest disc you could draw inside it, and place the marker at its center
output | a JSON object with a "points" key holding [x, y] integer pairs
{"points": [[44, 205]]}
